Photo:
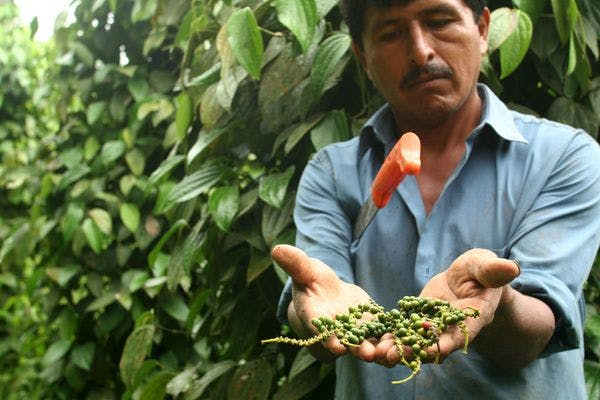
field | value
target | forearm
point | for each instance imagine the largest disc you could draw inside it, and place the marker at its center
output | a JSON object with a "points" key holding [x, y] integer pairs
{"points": [[521, 329]]}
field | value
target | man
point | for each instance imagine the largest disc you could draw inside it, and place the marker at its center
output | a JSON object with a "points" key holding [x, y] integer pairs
{"points": [[494, 186]]}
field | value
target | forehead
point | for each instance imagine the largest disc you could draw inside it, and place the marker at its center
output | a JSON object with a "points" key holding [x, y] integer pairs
{"points": [[375, 14]]}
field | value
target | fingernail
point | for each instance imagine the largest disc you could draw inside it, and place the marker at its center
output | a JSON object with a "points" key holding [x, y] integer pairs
{"points": [[518, 266]]}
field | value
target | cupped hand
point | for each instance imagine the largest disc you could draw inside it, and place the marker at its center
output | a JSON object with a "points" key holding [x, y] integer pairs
{"points": [[477, 279], [317, 291]]}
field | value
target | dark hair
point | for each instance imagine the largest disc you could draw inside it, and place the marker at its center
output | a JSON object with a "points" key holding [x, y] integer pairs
{"points": [[353, 11]]}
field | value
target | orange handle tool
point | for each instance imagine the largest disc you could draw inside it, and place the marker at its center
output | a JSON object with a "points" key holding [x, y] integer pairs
{"points": [[404, 159]]}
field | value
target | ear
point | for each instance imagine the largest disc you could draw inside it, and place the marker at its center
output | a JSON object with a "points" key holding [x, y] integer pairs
{"points": [[360, 55], [483, 25]]}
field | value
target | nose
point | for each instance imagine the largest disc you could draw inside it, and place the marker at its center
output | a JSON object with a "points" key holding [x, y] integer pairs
{"points": [[420, 50]]}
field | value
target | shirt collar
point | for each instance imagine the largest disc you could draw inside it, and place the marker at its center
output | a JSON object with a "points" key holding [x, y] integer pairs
{"points": [[379, 129]]}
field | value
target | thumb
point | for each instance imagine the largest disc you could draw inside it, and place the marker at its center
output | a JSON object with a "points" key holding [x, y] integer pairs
{"points": [[493, 272], [295, 262]]}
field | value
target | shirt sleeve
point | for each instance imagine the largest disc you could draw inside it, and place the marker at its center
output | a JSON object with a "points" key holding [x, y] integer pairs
{"points": [[558, 237], [323, 228]]}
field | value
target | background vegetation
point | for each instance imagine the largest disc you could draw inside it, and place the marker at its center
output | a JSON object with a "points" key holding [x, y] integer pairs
{"points": [[149, 158]]}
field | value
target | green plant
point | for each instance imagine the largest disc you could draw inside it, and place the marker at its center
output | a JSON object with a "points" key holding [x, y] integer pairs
{"points": [[149, 160]]}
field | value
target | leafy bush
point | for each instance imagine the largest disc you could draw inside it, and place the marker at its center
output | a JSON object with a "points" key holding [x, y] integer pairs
{"points": [[150, 165]]}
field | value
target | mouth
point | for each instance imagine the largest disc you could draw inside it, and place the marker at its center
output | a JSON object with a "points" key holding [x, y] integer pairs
{"points": [[424, 79], [426, 74]]}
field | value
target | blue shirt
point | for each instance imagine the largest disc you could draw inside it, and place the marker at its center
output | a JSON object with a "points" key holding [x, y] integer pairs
{"points": [[526, 187]]}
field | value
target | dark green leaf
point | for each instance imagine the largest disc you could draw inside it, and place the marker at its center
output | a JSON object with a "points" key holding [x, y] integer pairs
{"points": [[183, 118], [275, 220], [327, 61], [259, 263], [302, 384], [273, 188], [97, 240], [333, 128], [56, 351], [300, 17], [214, 372], [197, 183], [111, 151], [246, 41], [251, 381], [130, 215], [156, 388], [83, 355], [165, 167], [143, 9], [223, 205], [95, 111], [137, 348], [204, 140], [302, 361]]}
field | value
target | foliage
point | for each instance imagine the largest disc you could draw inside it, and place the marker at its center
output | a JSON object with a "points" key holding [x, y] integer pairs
{"points": [[150, 165]]}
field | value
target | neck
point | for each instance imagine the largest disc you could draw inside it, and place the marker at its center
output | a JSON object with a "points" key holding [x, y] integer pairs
{"points": [[451, 132]]}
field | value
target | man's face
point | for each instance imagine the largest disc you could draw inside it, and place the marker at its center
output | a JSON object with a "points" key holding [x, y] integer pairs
{"points": [[424, 57]]}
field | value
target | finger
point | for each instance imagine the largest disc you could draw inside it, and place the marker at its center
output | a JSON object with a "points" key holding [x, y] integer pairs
{"points": [[383, 347], [334, 346], [494, 273], [488, 269], [365, 351], [295, 262]]}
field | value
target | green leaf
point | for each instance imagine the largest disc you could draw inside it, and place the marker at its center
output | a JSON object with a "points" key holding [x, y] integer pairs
{"points": [[533, 8], [143, 10], [181, 382], [95, 111], [275, 220], [246, 41], [324, 6], [302, 361], [273, 188], [333, 128], [197, 183], [102, 219], [215, 371], [130, 215], [183, 117], [300, 386], [174, 305], [592, 378], [565, 17], [62, 275], [111, 151], [574, 114], [572, 60], [327, 61], [135, 161], [71, 220], [300, 130], [137, 348], [207, 78], [503, 23], [300, 17], [83, 355], [139, 88], [204, 140], [97, 240], [259, 263], [156, 387], [223, 205], [56, 351], [164, 168], [514, 48], [175, 228], [251, 381]]}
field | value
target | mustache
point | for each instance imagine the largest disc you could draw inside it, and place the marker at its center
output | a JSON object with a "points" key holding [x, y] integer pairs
{"points": [[435, 70]]}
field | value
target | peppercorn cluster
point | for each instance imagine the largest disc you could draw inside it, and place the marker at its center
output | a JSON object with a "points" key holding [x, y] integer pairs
{"points": [[415, 326]]}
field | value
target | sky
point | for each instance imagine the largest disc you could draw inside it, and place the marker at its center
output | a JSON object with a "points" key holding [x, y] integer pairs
{"points": [[45, 10]]}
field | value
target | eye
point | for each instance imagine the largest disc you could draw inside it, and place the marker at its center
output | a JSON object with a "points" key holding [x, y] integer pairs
{"points": [[390, 35], [438, 23]]}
